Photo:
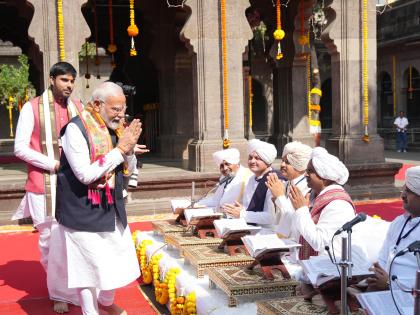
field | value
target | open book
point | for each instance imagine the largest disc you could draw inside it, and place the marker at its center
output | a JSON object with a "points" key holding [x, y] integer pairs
{"points": [[380, 302], [225, 227], [261, 244], [192, 216], [320, 269], [178, 205]]}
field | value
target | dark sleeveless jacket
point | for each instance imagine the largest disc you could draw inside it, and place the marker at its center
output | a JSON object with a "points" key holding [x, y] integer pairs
{"points": [[74, 210]]}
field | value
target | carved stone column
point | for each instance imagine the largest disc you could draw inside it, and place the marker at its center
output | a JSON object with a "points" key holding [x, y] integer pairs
{"points": [[43, 29], [369, 174], [202, 31]]}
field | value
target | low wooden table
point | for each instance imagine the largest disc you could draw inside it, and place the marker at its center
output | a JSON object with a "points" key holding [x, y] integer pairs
{"points": [[241, 282], [294, 305], [204, 257], [167, 227], [181, 241]]}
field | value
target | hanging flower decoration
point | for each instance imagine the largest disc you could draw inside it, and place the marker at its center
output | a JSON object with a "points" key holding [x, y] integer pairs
{"points": [[132, 30], [410, 89], [95, 20], [226, 141], [190, 307], [112, 48], [278, 33], [177, 306], [365, 71], [10, 108], [141, 256], [394, 83], [251, 99], [303, 38], [60, 20]]}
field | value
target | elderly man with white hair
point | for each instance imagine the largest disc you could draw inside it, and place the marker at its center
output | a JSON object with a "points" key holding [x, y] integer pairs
{"points": [[232, 182], [295, 159], [257, 207], [98, 150]]}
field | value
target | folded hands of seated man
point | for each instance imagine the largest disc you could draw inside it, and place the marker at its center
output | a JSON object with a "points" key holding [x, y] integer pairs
{"points": [[234, 210], [297, 198], [276, 187]]}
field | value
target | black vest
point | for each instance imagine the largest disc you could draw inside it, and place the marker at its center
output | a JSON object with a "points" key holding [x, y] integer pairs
{"points": [[258, 198], [74, 210]]}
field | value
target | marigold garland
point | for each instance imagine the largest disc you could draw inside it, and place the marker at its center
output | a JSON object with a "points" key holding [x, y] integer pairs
{"points": [[177, 306], [410, 83], [10, 108], [226, 141], [60, 21], [303, 38], [278, 33], [251, 98], [95, 19], [132, 29], [142, 258], [190, 307], [112, 48], [365, 72], [394, 84]]}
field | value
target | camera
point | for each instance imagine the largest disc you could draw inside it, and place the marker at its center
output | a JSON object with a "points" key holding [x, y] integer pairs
{"points": [[129, 90]]}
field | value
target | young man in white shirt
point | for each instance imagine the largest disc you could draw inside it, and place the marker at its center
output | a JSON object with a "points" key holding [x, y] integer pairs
{"points": [[401, 124]]}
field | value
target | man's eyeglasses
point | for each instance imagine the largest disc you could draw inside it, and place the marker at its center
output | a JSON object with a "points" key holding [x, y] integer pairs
{"points": [[116, 110]]}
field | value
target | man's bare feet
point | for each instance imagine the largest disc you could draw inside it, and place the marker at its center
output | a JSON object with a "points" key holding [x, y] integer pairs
{"points": [[113, 309], [60, 307]]}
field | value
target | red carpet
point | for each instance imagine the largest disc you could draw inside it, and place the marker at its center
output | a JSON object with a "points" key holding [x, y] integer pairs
{"points": [[23, 280], [401, 174], [386, 210]]}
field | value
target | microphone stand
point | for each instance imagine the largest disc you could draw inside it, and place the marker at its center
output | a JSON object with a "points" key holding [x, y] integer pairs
{"points": [[346, 272]]}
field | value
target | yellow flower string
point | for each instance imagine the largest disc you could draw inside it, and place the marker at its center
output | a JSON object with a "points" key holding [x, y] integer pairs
{"points": [[60, 21], [410, 82], [394, 80], [10, 108], [365, 72], [190, 304], [278, 33], [142, 258], [226, 141], [303, 39], [112, 48], [132, 30], [251, 97], [177, 307]]}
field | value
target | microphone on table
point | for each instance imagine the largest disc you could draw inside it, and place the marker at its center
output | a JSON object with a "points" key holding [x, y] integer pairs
{"points": [[226, 179], [413, 248], [347, 226]]}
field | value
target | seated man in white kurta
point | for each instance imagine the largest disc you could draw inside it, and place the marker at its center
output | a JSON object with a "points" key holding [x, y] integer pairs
{"points": [[232, 182], [97, 151], [295, 159], [257, 206]]}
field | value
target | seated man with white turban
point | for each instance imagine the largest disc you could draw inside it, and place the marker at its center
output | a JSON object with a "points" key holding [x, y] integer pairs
{"points": [[257, 207], [232, 182], [403, 231], [295, 159]]}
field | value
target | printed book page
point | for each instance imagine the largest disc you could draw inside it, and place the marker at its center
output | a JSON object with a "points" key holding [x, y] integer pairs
{"points": [[260, 244], [380, 302], [224, 227]]}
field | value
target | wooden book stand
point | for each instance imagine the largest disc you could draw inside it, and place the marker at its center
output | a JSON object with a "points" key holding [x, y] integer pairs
{"points": [[232, 243], [269, 261]]}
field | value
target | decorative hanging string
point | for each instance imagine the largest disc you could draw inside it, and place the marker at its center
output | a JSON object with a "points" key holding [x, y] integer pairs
{"points": [[365, 71], [10, 108], [315, 96], [226, 141], [112, 48], [132, 30], [394, 82], [87, 74], [251, 97], [410, 83], [60, 22], [278, 33], [303, 38], [95, 19]]}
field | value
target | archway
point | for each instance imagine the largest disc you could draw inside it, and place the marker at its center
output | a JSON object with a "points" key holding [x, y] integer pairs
{"points": [[412, 90]]}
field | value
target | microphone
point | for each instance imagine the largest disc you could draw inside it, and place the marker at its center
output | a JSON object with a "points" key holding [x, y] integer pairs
{"points": [[225, 179], [413, 247], [347, 226]]}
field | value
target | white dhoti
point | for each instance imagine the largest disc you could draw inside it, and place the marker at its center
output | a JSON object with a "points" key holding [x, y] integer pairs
{"points": [[102, 260]]}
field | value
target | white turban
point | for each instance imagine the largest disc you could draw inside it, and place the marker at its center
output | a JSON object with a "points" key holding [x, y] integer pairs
{"points": [[266, 151], [328, 166], [297, 154], [229, 155], [412, 179]]}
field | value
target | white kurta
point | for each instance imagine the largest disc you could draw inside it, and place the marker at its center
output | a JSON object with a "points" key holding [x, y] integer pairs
{"points": [[332, 218], [32, 204], [265, 218], [404, 267], [104, 260], [285, 210], [231, 192]]}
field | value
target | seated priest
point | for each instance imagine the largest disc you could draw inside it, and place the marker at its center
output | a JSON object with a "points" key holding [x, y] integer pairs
{"points": [[403, 231], [232, 182], [256, 207], [332, 206], [295, 159]]}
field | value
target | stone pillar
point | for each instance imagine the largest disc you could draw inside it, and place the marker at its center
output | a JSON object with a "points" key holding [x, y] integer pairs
{"points": [[43, 29], [202, 31], [369, 174]]}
